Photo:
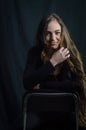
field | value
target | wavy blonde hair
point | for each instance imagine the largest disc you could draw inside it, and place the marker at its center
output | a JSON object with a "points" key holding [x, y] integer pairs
{"points": [[76, 65]]}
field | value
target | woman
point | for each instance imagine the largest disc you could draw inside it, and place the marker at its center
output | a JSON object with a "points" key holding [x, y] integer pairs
{"points": [[55, 64]]}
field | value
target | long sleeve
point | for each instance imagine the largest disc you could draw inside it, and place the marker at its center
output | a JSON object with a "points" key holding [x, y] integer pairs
{"points": [[64, 86], [66, 81], [35, 72], [38, 73]]}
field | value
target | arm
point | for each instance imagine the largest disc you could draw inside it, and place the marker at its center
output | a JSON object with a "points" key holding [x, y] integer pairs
{"points": [[64, 86], [35, 72], [69, 81]]}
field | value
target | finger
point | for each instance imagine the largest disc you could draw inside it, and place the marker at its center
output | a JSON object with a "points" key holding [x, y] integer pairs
{"points": [[65, 50], [67, 56], [66, 53], [61, 50]]}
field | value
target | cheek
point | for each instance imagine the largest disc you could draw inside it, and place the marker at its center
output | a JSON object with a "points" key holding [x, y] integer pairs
{"points": [[58, 37], [58, 46], [47, 38]]}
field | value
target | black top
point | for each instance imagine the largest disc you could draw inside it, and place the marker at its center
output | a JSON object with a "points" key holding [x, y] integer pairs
{"points": [[36, 72]]}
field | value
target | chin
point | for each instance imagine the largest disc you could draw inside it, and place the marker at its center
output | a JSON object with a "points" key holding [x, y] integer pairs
{"points": [[56, 48]]}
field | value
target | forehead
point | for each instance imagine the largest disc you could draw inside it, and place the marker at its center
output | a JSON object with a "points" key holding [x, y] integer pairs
{"points": [[53, 25]]}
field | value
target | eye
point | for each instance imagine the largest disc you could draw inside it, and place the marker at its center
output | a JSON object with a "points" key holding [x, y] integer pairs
{"points": [[47, 33], [58, 33]]}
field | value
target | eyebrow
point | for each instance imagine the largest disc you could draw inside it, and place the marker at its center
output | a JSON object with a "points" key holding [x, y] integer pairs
{"points": [[54, 30]]}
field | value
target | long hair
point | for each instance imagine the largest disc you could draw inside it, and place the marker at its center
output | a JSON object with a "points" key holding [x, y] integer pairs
{"points": [[75, 63]]}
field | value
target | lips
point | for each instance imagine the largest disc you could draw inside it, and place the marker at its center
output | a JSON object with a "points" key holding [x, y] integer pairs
{"points": [[53, 43]]}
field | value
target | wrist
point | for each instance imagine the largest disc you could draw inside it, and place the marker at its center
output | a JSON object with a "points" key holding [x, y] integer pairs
{"points": [[53, 62]]}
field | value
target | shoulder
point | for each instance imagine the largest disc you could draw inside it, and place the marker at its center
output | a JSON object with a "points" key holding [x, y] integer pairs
{"points": [[33, 55]]}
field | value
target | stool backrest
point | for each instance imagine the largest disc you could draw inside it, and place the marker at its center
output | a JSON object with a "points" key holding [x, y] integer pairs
{"points": [[57, 102]]}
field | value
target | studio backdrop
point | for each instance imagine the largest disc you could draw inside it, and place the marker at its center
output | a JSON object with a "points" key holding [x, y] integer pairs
{"points": [[19, 20]]}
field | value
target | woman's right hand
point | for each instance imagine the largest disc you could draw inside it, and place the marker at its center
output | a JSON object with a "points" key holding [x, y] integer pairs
{"points": [[59, 56]]}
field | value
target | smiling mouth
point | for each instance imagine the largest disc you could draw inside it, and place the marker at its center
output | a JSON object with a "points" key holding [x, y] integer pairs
{"points": [[55, 45], [52, 44]]}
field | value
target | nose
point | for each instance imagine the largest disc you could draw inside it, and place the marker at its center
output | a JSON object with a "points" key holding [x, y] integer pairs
{"points": [[53, 37]]}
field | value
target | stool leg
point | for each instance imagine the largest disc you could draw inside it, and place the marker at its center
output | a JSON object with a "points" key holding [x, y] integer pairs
{"points": [[24, 121]]}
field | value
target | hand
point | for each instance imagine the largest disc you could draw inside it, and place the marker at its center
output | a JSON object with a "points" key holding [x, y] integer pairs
{"points": [[36, 87], [59, 56]]}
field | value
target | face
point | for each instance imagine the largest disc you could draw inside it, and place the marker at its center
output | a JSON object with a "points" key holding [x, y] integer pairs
{"points": [[53, 35]]}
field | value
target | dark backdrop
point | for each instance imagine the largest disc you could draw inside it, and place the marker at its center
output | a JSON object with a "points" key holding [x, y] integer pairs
{"points": [[18, 23]]}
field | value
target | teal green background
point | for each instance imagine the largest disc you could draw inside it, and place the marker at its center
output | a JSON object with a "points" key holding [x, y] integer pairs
{"points": [[18, 23]]}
